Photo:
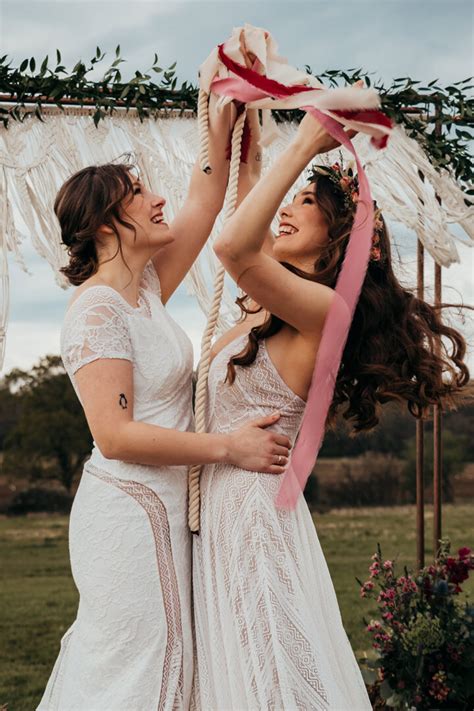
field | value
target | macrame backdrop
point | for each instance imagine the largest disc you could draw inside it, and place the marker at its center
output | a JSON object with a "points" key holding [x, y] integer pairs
{"points": [[37, 157]]}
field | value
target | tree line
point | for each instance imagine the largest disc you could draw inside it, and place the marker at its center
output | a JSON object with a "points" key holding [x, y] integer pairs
{"points": [[44, 437]]}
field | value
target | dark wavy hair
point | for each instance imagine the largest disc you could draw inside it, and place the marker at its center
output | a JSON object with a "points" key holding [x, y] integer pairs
{"points": [[398, 347], [89, 199]]}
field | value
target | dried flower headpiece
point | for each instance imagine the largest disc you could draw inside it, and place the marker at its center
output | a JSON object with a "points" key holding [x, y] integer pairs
{"points": [[347, 182]]}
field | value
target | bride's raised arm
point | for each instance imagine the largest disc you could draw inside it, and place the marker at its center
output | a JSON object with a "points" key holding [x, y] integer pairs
{"points": [[193, 224], [243, 244]]}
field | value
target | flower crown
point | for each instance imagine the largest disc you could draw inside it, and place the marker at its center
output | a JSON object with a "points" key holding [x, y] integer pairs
{"points": [[347, 182]]}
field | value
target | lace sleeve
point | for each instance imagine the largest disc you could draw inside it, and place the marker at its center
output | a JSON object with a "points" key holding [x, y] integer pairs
{"points": [[96, 327], [150, 279]]}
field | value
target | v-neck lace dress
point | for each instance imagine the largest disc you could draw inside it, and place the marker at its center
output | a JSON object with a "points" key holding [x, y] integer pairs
{"points": [[130, 648], [269, 634]]}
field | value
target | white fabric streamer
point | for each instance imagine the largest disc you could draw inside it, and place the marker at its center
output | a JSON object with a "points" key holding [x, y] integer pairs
{"points": [[215, 71]]}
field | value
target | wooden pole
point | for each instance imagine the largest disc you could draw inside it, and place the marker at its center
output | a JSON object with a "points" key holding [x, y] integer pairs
{"points": [[420, 492], [437, 443]]}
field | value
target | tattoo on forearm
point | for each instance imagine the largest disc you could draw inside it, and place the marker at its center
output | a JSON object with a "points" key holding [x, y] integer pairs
{"points": [[258, 157], [123, 402]]}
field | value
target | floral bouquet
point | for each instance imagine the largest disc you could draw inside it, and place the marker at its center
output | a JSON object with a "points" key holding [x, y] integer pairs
{"points": [[424, 640]]}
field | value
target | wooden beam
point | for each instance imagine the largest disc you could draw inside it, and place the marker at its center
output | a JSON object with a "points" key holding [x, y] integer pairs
{"points": [[437, 442], [437, 423], [420, 490]]}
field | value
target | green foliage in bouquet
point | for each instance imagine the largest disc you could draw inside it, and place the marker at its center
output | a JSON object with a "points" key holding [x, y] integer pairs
{"points": [[424, 640]]}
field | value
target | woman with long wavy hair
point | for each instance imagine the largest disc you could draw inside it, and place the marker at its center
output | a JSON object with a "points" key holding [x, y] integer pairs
{"points": [[269, 634], [130, 647]]}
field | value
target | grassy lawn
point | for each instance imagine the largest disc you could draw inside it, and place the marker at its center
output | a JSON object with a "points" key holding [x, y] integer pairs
{"points": [[349, 537], [38, 598]]}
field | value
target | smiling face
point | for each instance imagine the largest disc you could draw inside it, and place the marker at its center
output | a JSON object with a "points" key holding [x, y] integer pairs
{"points": [[104, 213], [303, 231], [144, 211]]}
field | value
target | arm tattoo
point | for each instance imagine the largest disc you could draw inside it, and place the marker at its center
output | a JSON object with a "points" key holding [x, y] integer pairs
{"points": [[123, 402]]}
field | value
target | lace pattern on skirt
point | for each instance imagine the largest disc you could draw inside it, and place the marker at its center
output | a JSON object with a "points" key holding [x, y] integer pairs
{"points": [[172, 679], [53, 701]]}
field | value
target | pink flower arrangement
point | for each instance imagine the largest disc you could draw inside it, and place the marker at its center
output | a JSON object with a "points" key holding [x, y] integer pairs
{"points": [[347, 182], [424, 638], [375, 254], [374, 569], [438, 686]]}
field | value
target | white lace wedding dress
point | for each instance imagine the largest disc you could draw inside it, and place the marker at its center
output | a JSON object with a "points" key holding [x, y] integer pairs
{"points": [[130, 648], [269, 634]]}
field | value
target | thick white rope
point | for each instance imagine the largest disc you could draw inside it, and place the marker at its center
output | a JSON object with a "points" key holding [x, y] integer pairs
{"points": [[203, 130], [203, 370]]}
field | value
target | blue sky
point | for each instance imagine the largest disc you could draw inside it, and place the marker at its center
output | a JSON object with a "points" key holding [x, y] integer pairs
{"points": [[424, 40]]}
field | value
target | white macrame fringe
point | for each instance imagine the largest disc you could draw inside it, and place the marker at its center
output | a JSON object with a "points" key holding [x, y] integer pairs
{"points": [[36, 158]]}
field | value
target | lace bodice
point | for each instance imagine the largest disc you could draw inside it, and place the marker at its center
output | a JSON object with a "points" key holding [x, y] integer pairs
{"points": [[257, 390], [101, 324]]}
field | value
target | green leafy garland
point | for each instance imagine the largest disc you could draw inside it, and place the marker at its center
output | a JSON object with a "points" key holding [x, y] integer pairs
{"points": [[441, 119]]}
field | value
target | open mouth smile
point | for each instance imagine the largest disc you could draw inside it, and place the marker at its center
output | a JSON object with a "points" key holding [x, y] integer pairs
{"points": [[286, 229]]}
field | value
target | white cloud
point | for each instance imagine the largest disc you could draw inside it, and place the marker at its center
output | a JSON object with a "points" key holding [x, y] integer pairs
{"points": [[77, 27], [425, 39], [27, 341]]}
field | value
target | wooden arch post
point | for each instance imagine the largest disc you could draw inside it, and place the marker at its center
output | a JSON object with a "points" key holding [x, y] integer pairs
{"points": [[420, 431], [437, 416]]}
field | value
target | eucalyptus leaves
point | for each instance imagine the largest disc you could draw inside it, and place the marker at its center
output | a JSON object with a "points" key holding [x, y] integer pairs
{"points": [[440, 118], [24, 86]]}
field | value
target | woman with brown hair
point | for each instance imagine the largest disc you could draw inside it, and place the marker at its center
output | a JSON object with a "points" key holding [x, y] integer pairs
{"points": [[130, 648], [269, 634]]}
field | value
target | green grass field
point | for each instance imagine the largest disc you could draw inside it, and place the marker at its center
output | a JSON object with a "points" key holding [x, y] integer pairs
{"points": [[38, 598]]}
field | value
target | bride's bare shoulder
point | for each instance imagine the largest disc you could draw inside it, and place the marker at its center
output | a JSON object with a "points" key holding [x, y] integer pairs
{"points": [[241, 328]]}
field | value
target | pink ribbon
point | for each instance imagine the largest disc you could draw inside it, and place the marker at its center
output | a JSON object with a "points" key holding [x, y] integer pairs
{"points": [[250, 86], [335, 331]]}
